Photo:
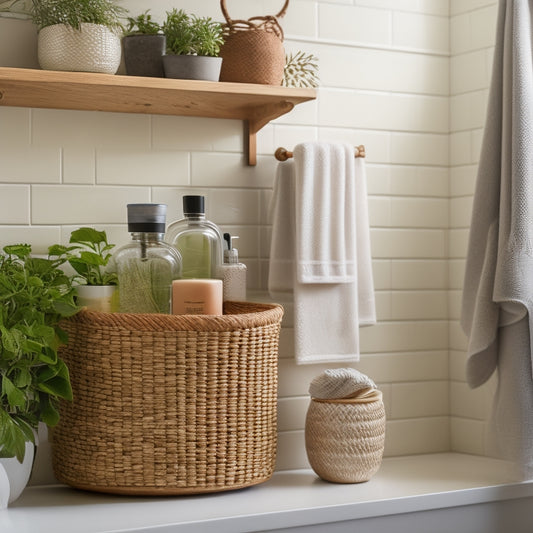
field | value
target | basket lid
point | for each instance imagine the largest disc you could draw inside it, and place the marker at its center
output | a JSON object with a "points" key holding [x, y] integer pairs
{"points": [[339, 383]]}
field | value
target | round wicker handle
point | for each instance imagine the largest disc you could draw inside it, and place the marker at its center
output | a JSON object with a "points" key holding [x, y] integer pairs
{"points": [[229, 20]]}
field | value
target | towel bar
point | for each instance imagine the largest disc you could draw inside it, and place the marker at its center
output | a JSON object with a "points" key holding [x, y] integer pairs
{"points": [[282, 154]]}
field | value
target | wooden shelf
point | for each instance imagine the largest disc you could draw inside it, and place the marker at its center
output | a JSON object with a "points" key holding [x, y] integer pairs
{"points": [[255, 104]]}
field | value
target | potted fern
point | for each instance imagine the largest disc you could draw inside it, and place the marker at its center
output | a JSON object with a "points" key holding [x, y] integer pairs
{"points": [[78, 35], [89, 254], [35, 295], [193, 46], [144, 45]]}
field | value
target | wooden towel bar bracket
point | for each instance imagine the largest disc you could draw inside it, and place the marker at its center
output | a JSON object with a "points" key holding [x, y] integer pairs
{"points": [[282, 154]]}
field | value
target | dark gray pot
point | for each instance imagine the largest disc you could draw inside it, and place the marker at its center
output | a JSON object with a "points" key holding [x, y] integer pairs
{"points": [[187, 67], [143, 55]]}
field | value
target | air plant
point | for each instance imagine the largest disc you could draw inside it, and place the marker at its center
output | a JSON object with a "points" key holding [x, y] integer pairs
{"points": [[301, 70]]}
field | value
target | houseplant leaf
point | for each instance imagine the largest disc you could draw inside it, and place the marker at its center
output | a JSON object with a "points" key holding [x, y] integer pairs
{"points": [[15, 397]]}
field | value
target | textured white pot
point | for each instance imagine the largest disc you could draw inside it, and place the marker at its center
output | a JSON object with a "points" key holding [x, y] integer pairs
{"points": [[14, 476], [92, 48]]}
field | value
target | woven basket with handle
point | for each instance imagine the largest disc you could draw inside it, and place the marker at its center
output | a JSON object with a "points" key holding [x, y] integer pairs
{"points": [[253, 49], [168, 404]]}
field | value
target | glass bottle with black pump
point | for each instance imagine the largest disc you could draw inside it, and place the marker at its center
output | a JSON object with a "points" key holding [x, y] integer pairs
{"points": [[147, 265]]}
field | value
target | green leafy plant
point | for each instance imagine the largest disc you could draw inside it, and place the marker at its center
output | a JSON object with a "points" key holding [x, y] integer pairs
{"points": [[301, 70], [35, 294], [143, 24], [192, 35], [89, 256], [75, 12]]}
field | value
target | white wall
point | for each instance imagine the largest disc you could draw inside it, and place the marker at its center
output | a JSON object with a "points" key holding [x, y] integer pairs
{"points": [[385, 83], [472, 30]]}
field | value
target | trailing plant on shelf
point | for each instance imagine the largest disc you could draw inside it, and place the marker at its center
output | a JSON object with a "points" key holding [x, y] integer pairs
{"points": [[93, 47], [35, 294], [193, 46], [144, 45], [75, 12], [143, 24], [192, 35]]}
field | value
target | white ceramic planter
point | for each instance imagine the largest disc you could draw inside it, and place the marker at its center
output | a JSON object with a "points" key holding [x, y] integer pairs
{"points": [[96, 297], [14, 476], [92, 48]]}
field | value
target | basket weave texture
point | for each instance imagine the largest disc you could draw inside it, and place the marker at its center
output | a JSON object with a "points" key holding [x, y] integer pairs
{"points": [[344, 439], [167, 404], [253, 49]]}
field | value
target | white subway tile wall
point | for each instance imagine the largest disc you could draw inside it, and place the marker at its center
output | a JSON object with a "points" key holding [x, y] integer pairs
{"points": [[472, 31], [406, 78]]}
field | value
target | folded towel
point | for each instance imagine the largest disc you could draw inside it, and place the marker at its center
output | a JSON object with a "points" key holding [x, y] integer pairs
{"points": [[321, 250], [281, 213], [325, 213]]}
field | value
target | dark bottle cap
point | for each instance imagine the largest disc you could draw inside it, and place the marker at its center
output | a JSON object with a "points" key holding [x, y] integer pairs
{"points": [[194, 205], [147, 218]]}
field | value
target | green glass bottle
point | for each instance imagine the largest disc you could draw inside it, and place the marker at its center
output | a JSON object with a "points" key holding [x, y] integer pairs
{"points": [[197, 239]]}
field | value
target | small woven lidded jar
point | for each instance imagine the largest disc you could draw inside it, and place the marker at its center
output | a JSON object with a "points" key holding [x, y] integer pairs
{"points": [[345, 426]]}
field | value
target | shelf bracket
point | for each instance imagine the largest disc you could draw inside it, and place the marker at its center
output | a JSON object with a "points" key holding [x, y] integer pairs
{"points": [[262, 116]]}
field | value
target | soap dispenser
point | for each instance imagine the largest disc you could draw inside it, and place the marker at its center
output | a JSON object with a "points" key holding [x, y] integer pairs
{"points": [[147, 266], [232, 273], [198, 240]]}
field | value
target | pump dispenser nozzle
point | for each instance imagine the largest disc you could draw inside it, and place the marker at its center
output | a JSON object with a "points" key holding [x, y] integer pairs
{"points": [[232, 272], [231, 255]]}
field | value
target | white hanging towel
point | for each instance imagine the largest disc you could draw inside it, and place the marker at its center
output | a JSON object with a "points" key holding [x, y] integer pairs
{"points": [[497, 313], [321, 250]]}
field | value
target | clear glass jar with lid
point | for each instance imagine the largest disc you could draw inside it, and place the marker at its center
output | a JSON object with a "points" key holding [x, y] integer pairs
{"points": [[147, 265], [198, 240]]}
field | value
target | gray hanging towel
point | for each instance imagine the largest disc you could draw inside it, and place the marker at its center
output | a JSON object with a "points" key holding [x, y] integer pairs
{"points": [[498, 284]]}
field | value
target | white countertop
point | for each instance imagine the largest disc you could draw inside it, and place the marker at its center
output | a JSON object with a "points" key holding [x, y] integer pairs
{"points": [[289, 499]]}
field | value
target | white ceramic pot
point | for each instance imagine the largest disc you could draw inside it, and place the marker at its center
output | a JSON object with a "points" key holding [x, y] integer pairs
{"points": [[97, 297], [14, 476], [92, 48]]}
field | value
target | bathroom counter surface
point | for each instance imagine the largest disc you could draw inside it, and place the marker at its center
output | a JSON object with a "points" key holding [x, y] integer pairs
{"points": [[290, 499]]}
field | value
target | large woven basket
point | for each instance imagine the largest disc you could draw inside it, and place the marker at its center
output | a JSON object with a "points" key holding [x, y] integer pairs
{"points": [[345, 438], [253, 49], [167, 404]]}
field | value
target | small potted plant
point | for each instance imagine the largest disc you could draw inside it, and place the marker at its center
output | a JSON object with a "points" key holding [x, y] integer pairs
{"points": [[89, 254], [35, 295], [144, 45], [193, 46], [76, 35]]}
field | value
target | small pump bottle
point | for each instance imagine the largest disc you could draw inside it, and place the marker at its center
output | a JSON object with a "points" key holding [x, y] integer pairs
{"points": [[232, 273], [147, 265], [198, 240]]}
